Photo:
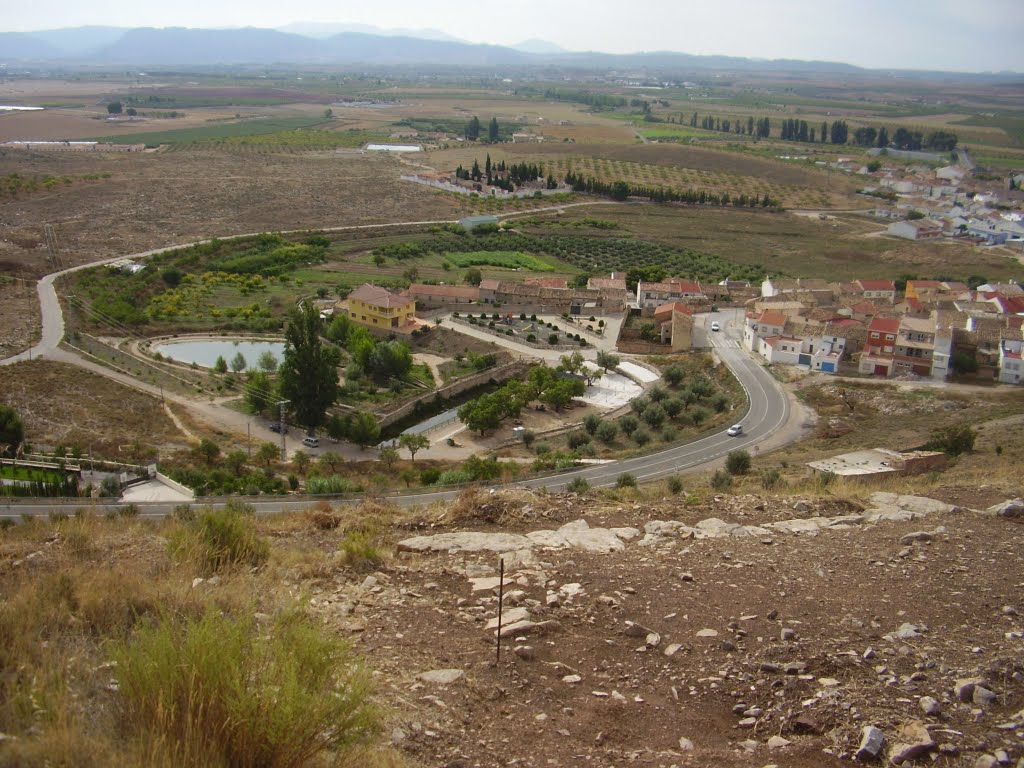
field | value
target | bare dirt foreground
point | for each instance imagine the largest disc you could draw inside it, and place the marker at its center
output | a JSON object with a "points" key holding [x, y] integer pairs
{"points": [[745, 651]]}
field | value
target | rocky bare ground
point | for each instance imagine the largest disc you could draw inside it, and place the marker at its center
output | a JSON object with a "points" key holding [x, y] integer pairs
{"points": [[647, 635]]}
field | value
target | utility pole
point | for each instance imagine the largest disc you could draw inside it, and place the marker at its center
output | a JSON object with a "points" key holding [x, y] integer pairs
{"points": [[280, 420]]}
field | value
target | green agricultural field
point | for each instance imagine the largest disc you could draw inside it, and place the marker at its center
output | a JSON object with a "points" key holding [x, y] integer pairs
{"points": [[215, 131], [505, 259]]}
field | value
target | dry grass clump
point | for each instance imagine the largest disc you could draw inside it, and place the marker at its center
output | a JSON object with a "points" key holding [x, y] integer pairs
{"points": [[222, 690], [220, 540]]}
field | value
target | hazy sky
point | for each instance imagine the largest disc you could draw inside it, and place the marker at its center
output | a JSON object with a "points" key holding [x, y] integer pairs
{"points": [[969, 35]]}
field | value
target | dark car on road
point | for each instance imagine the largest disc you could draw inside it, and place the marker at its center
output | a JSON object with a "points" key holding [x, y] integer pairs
{"points": [[276, 426]]}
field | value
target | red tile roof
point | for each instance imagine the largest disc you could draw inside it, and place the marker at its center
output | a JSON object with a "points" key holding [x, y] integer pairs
{"points": [[769, 318], [876, 285], [460, 291], [672, 285], [890, 325], [672, 307], [547, 282], [379, 297]]}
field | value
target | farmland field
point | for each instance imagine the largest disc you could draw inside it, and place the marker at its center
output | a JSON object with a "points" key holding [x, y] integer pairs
{"points": [[506, 259]]}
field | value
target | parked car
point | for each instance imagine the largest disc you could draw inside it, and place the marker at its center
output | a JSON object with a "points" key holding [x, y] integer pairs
{"points": [[311, 442], [715, 326], [277, 426], [735, 429]]}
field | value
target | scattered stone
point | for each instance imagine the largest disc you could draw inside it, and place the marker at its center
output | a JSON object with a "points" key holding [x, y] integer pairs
{"points": [[636, 630], [747, 722], [685, 744], [510, 616], [441, 676], [795, 668], [707, 633], [806, 724], [777, 742], [1011, 508], [964, 687], [673, 649], [871, 742], [572, 679], [525, 652], [986, 761], [769, 667], [930, 706], [653, 640], [828, 682], [906, 632], [983, 697], [910, 538], [915, 741], [787, 634]]}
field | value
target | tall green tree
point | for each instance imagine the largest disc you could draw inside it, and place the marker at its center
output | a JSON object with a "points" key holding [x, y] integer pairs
{"points": [[259, 391], [308, 375], [12, 431], [492, 130], [364, 430], [413, 442], [473, 129]]}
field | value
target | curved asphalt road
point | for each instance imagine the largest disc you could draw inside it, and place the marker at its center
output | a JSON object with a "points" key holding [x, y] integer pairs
{"points": [[768, 411]]}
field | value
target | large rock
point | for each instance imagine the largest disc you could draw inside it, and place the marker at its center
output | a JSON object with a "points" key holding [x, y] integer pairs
{"points": [[441, 676], [578, 535], [466, 541], [1011, 508], [915, 742], [895, 507], [871, 742]]}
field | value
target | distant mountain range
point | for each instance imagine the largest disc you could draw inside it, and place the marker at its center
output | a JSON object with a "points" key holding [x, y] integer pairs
{"points": [[340, 44]]}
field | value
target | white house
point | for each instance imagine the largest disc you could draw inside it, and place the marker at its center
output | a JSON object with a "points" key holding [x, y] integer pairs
{"points": [[761, 325], [1011, 366]]}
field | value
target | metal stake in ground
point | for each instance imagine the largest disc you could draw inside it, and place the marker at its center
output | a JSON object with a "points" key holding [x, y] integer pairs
{"points": [[501, 600]]}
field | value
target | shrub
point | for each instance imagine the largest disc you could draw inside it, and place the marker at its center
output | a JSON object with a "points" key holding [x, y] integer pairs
{"points": [[607, 432], [738, 462], [531, 337], [220, 540], [721, 480], [673, 374], [223, 690], [542, 449], [528, 437], [316, 486], [553, 338], [429, 476], [628, 424], [641, 436], [654, 415], [359, 551], [953, 440], [579, 485], [770, 479], [657, 393], [675, 485], [577, 438], [454, 477], [625, 480], [591, 423], [638, 405]]}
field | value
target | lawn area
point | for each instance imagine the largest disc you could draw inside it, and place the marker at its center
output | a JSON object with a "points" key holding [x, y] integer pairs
{"points": [[214, 131], [504, 259], [8, 472]]}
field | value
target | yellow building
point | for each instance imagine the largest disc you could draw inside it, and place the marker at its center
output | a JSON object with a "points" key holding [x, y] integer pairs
{"points": [[376, 307]]}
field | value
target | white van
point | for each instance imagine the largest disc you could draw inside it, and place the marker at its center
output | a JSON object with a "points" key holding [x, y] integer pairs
{"points": [[311, 442]]}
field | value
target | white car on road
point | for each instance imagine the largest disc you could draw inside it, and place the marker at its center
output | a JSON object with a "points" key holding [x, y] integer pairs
{"points": [[735, 429], [715, 326]]}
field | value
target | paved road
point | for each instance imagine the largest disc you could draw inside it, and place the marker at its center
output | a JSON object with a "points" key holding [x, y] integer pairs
{"points": [[768, 412], [768, 407]]}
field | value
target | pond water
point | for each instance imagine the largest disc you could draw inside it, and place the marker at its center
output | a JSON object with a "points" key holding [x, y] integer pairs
{"points": [[205, 352]]}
